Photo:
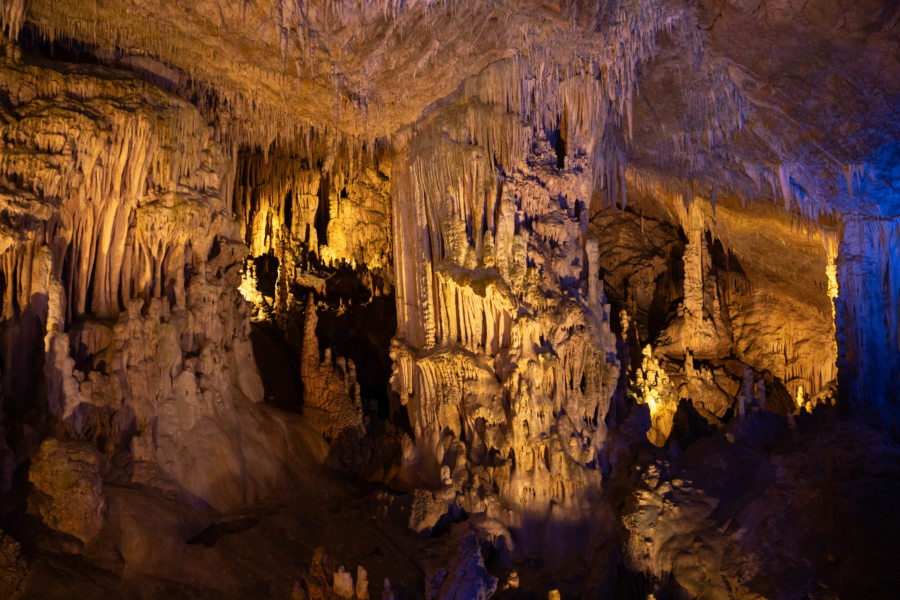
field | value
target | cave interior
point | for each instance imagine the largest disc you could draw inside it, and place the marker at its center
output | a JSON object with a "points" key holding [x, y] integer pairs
{"points": [[449, 299]]}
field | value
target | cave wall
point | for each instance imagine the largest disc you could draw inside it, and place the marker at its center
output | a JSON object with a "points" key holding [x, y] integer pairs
{"points": [[122, 322], [495, 272], [866, 309], [504, 355], [479, 218]]}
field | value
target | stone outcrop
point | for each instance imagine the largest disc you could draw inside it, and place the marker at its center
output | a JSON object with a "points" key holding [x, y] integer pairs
{"points": [[330, 394], [68, 486], [504, 355], [697, 528], [13, 566], [124, 276], [464, 577]]}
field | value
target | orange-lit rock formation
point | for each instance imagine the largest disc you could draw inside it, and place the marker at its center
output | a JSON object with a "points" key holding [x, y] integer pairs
{"points": [[360, 299]]}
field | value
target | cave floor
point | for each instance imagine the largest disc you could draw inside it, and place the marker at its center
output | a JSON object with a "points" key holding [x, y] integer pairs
{"points": [[261, 552]]}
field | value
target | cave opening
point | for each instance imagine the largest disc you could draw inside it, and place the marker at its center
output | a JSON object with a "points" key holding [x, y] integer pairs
{"points": [[322, 211], [289, 210], [279, 366], [266, 267]]}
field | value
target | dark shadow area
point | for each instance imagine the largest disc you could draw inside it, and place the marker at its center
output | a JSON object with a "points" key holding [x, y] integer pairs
{"points": [[279, 367], [362, 332], [668, 292], [23, 356], [689, 425], [266, 274], [212, 534], [322, 210]]}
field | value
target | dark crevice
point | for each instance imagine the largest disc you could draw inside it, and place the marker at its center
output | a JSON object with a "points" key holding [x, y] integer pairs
{"points": [[322, 211], [279, 367]]}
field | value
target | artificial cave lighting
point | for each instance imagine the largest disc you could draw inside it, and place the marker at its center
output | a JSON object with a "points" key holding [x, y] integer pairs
{"points": [[452, 300]]}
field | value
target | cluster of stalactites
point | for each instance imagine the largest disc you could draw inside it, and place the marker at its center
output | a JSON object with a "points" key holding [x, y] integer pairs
{"points": [[452, 209], [592, 86], [300, 21], [276, 199], [121, 188], [800, 354], [588, 99], [501, 350], [12, 17]]}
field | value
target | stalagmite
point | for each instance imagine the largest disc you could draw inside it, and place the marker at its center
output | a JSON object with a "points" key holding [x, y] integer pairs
{"points": [[330, 393], [761, 393], [362, 583], [657, 393], [343, 584], [592, 251], [746, 398], [693, 275]]}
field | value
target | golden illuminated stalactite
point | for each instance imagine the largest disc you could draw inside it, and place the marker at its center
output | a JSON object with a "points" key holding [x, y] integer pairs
{"points": [[655, 390], [693, 274], [276, 199], [831, 274], [800, 400], [832, 244], [12, 16], [249, 288], [358, 230]]}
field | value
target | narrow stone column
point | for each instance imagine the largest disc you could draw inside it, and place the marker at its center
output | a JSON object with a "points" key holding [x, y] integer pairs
{"points": [[593, 275]]}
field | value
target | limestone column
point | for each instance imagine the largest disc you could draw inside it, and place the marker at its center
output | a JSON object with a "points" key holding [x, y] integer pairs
{"points": [[593, 269]]}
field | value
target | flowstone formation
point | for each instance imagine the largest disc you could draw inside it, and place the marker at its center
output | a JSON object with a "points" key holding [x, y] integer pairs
{"points": [[453, 300], [504, 355], [707, 326], [118, 259]]}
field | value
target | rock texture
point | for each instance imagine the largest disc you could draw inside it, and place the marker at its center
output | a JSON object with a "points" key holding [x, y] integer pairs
{"points": [[716, 539], [122, 273], [13, 566], [474, 299], [69, 488], [504, 356]]}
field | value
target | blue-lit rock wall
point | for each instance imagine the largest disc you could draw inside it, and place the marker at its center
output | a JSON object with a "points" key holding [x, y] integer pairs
{"points": [[867, 319]]}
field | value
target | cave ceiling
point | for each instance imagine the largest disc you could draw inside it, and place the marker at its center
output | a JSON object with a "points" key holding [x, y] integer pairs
{"points": [[731, 96]]}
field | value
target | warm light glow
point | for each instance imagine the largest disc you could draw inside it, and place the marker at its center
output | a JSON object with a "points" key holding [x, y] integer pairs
{"points": [[655, 390], [249, 290]]}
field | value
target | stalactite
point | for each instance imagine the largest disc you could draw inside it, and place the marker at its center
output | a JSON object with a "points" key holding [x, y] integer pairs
{"points": [[12, 17], [488, 347], [693, 274], [655, 390]]}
